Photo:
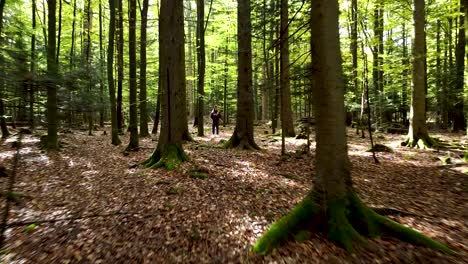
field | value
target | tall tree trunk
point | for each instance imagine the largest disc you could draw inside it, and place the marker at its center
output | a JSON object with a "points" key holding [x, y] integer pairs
{"points": [[120, 67], [169, 151], [143, 97], [59, 33], [87, 62], [200, 64], [110, 74], [287, 126], [32, 67], [405, 73], [101, 69], [5, 132], [438, 82], [52, 120], [459, 119], [332, 206], [72, 49], [190, 62], [354, 54], [226, 76], [133, 122], [243, 136], [417, 134]]}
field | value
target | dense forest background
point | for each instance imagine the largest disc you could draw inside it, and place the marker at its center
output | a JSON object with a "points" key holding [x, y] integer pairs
{"points": [[376, 43]]}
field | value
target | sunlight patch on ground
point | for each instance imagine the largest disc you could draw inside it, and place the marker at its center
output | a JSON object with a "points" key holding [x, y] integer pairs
{"points": [[246, 227], [7, 154], [42, 159], [11, 139]]}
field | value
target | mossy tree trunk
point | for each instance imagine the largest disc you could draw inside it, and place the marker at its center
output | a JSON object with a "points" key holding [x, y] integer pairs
{"points": [[417, 134], [287, 126], [174, 129], [332, 206], [243, 136], [110, 75]]}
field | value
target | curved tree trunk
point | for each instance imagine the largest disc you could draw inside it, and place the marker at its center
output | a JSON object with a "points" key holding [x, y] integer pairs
{"points": [[243, 136], [169, 151], [332, 207]]}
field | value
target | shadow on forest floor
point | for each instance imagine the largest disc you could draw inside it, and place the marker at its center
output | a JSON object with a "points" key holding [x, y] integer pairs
{"points": [[113, 214]]}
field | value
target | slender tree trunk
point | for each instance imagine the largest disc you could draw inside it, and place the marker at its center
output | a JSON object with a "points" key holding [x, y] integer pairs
{"points": [[226, 75], [110, 74], [190, 71], [354, 54], [5, 132], [120, 67], [459, 119], [52, 120], [102, 70], [418, 130], [405, 73], [438, 73], [287, 126], [143, 97], [133, 122], [32, 67], [59, 33], [72, 49], [201, 64], [243, 136], [87, 61], [169, 151]]}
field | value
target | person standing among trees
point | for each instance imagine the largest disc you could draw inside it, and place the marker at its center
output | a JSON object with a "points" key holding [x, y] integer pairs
{"points": [[215, 117]]}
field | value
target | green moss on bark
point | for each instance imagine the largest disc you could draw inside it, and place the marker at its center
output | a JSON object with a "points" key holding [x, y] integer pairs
{"points": [[169, 157], [345, 222], [287, 226]]}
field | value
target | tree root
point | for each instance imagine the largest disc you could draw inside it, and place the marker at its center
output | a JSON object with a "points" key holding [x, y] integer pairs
{"points": [[169, 157], [243, 144], [345, 223], [424, 142]]}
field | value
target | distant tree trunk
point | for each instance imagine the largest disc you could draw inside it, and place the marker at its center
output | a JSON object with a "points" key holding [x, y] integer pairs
{"points": [[417, 135], [438, 73], [5, 132], [243, 136], [143, 97], [101, 68], [169, 152], [190, 70], [32, 67], [120, 67], [52, 138], [133, 122], [287, 126], [59, 33], [354, 54], [110, 74], [332, 206], [276, 84], [265, 72], [405, 73], [87, 62], [226, 75], [459, 119], [200, 64]]}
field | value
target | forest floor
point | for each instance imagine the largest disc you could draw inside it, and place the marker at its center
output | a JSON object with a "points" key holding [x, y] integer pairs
{"points": [[85, 204]]}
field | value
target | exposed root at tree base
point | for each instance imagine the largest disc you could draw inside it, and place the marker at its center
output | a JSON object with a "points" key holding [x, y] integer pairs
{"points": [[424, 142], [346, 223], [169, 157], [244, 144]]}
